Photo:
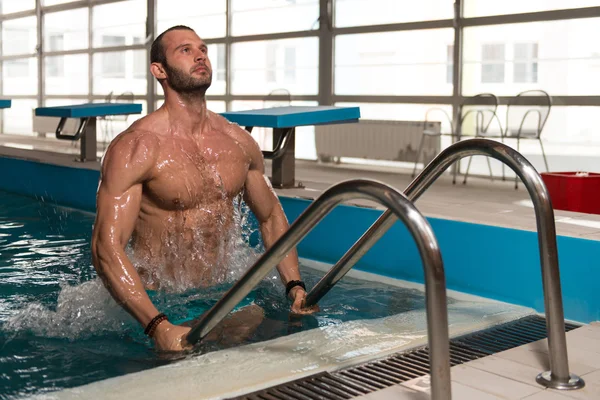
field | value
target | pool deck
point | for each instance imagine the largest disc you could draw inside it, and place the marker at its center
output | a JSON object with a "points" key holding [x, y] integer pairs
{"points": [[511, 374]]}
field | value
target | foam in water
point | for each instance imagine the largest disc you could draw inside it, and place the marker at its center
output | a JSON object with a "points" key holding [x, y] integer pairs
{"points": [[87, 309]]}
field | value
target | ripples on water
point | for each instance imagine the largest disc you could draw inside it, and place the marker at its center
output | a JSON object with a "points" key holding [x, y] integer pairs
{"points": [[60, 328]]}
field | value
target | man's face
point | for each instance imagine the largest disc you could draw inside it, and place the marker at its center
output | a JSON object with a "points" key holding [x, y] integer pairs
{"points": [[187, 67]]}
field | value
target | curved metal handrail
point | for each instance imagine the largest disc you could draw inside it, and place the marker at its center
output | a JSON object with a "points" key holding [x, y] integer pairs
{"points": [[558, 377], [435, 285]]}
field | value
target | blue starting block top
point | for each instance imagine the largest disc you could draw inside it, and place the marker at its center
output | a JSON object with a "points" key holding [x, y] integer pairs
{"points": [[5, 103], [89, 110], [287, 117]]}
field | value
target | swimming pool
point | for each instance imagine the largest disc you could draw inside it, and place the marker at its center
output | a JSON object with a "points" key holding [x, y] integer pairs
{"points": [[60, 328], [497, 263]]}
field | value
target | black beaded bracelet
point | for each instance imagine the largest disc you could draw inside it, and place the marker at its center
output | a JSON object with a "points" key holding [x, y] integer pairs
{"points": [[292, 284], [153, 324]]}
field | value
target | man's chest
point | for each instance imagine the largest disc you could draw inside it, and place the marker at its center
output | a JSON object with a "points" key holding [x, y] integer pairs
{"points": [[188, 175]]}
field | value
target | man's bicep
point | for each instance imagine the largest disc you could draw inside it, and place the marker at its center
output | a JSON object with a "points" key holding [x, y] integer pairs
{"points": [[117, 214], [260, 196]]}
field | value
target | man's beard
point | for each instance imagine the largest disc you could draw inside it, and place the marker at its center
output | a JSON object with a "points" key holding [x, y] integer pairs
{"points": [[188, 84]]}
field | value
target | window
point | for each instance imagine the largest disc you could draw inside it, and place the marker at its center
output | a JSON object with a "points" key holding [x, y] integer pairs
{"points": [[479, 8], [71, 24], [16, 68], [19, 36], [393, 63], [19, 77], [279, 15], [525, 63], [139, 60], [208, 20], [377, 12], [13, 6], [492, 63], [271, 71], [75, 79], [260, 67], [113, 63], [557, 56], [290, 64], [449, 63], [55, 67], [124, 19], [17, 119], [220, 65]]}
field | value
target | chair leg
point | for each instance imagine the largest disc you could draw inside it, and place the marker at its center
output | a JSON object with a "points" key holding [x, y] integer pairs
{"points": [[518, 150], [503, 165], [467, 171], [414, 173], [490, 168], [544, 155]]}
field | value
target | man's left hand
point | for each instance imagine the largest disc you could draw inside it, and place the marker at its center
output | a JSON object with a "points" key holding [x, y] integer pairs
{"points": [[299, 297]]}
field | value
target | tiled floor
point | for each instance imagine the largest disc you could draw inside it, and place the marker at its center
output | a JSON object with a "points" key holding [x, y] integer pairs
{"points": [[511, 374]]}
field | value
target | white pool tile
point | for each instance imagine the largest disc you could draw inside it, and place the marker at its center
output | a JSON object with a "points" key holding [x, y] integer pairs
{"points": [[490, 383], [508, 369]]}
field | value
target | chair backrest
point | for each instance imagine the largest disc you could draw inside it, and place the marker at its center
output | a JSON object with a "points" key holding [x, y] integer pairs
{"points": [[524, 119], [481, 113], [125, 97], [278, 98]]}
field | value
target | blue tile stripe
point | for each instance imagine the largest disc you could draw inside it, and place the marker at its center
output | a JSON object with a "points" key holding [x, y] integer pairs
{"points": [[5, 103]]}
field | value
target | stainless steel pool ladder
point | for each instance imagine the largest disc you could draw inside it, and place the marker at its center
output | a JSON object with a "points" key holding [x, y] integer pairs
{"points": [[398, 204], [558, 377]]}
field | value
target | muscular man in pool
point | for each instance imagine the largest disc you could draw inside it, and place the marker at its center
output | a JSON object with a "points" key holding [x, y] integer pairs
{"points": [[168, 184]]}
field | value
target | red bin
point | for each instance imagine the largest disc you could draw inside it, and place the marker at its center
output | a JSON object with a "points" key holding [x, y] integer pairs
{"points": [[572, 192]]}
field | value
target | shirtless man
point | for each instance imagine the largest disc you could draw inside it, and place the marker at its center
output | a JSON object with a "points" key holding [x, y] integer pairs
{"points": [[169, 183]]}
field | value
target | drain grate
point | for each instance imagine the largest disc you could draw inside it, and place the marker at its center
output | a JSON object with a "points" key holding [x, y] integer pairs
{"points": [[376, 375]]}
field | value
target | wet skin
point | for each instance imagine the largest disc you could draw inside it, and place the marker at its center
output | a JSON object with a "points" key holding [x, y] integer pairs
{"points": [[168, 185]]}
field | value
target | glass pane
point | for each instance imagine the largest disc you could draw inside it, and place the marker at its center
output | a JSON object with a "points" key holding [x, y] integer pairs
{"points": [[111, 126], [19, 36], [478, 8], [209, 21], [556, 56], [20, 77], [67, 74], [216, 54], [305, 135], [270, 16], [12, 6], [394, 63], [128, 30], [376, 12], [286, 64], [120, 71], [18, 118], [571, 143], [53, 2], [66, 30]]}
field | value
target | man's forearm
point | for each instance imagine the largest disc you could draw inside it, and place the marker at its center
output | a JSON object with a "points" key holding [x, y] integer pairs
{"points": [[271, 231], [124, 284]]}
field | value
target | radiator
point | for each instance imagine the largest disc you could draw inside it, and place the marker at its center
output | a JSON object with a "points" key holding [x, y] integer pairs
{"points": [[377, 140]]}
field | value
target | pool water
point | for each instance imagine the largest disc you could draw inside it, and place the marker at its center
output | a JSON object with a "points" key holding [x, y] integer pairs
{"points": [[59, 328]]}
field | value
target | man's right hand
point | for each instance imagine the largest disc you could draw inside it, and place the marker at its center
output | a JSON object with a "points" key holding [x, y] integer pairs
{"points": [[169, 337]]}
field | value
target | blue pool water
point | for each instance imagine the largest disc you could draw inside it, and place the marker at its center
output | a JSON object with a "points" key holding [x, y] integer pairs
{"points": [[59, 328]]}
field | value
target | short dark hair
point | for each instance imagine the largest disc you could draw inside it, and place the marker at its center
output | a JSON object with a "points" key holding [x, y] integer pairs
{"points": [[157, 51]]}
